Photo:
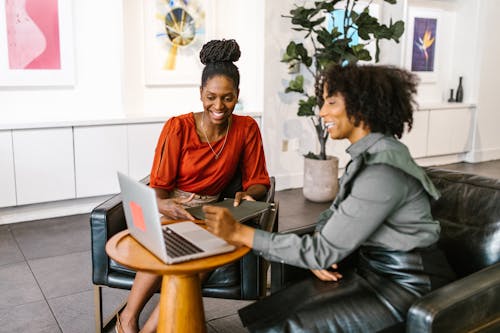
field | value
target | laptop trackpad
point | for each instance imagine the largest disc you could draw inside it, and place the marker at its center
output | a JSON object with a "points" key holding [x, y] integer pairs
{"points": [[204, 239]]}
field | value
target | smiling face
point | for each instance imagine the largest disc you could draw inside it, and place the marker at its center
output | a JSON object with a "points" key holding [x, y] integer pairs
{"points": [[337, 121], [219, 97]]}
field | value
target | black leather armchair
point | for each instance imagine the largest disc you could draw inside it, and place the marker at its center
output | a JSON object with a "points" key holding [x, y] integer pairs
{"points": [[245, 279], [469, 212]]}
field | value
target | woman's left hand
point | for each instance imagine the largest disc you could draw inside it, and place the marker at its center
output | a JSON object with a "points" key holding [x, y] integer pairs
{"points": [[326, 275], [242, 196]]}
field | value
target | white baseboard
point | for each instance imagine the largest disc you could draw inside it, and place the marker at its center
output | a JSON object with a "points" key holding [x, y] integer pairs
{"points": [[49, 209], [482, 155], [440, 160]]}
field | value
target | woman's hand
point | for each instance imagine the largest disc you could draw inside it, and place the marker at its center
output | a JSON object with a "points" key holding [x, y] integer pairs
{"points": [[221, 223], [242, 196], [326, 275], [173, 208]]}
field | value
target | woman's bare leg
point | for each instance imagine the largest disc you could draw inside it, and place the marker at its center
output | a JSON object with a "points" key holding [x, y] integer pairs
{"points": [[145, 285]]}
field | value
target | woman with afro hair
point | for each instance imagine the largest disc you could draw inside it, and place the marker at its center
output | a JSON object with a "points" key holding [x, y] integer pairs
{"points": [[381, 215]]}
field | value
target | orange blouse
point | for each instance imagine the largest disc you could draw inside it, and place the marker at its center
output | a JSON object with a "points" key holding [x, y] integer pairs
{"points": [[182, 161]]}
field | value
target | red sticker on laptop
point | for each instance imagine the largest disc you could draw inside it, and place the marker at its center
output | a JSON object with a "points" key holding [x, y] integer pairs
{"points": [[137, 216]]}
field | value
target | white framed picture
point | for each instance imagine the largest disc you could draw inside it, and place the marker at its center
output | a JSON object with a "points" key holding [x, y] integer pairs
{"points": [[423, 40], [36, 38], [174, 32]]}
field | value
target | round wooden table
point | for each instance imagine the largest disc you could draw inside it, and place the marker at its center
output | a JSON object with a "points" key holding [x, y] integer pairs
{"points": [[181, 303]]}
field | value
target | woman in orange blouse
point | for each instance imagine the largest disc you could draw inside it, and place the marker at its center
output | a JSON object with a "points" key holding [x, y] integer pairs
{"points": [[197, 156]]}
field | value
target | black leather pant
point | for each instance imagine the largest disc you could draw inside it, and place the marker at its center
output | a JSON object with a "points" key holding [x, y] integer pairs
{"points": [[373, 297]]}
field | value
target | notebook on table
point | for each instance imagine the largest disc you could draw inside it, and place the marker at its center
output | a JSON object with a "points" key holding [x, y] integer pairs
{"points": [[172, 243], [245, 211]]}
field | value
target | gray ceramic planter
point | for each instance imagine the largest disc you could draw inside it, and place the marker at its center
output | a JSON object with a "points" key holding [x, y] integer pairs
{"points": [[321, 182]]}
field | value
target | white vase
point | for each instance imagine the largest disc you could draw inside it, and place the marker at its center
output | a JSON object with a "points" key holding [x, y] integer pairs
{"points": [[321, 182]]}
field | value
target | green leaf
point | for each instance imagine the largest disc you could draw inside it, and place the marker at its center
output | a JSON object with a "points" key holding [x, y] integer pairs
{"points": [[398, 29], [306, 107], [296, 85], [302, 55], [312, 156], [392, 2]]}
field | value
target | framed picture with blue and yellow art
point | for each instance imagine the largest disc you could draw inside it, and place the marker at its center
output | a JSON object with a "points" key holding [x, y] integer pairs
{"points": [[423, 39], [175, 31]]}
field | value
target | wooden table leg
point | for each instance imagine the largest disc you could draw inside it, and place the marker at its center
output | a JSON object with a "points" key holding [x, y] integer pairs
{"points": [[181, 305]]}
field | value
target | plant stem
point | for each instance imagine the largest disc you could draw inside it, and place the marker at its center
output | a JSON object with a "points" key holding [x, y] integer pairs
{"points": [[320, 132]]}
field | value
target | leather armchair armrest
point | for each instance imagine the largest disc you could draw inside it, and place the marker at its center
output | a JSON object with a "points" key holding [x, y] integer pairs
{"points": [[106, 220], [472, 302], [101, 231]]}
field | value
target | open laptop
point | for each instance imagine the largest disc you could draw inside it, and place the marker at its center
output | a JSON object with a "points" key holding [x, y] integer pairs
{"points": [[171, 243]]}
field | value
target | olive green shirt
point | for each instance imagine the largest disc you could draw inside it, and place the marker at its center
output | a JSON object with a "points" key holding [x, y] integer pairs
{"points": [[383, 201]]}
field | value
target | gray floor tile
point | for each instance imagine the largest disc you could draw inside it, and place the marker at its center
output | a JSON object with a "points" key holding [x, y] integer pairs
{"points": [[33, 317], [112, 298], [63, 275], [219, 307], [53, 237], [210, 329], [9, 250], [17, 286], [229, 324], [148, 309], [74, 313]]}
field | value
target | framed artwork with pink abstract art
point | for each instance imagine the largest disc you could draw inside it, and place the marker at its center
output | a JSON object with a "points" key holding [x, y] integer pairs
{"points": [[36, 38]]}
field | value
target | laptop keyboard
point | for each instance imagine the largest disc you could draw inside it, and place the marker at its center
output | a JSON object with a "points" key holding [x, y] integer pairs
{"points": [[177, 245]]}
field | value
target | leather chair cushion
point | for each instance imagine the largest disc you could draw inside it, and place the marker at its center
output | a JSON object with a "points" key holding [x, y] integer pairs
{"points": [[469, 213]]}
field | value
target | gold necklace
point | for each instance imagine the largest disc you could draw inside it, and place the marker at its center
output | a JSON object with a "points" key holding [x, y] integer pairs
{"points": [[208, 141]]}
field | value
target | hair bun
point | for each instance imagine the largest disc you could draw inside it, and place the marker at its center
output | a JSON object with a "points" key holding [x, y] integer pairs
{"points": [[220, 51]]}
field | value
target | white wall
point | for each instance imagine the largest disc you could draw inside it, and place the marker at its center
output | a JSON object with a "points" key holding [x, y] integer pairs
{"points": [[486, 41]]}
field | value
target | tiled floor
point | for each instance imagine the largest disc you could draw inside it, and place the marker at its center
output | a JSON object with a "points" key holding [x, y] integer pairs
{"points": [[45, 270]]}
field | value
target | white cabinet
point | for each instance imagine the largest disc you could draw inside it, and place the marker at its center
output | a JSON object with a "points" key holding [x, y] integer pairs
{"points": [[142, 139], [100, 151], [43, 162], [450, 131], [416, 139], [7, 182]]}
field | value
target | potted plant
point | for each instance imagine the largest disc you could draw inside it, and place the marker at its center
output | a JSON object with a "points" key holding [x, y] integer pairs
{"points": [[336, 31]]}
